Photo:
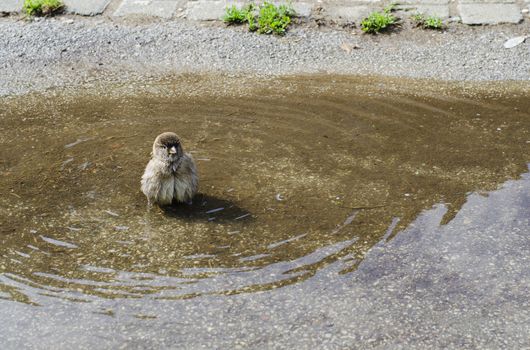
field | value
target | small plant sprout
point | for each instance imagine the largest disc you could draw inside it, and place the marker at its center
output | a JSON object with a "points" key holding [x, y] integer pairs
{"points": [[378, 22], [266, 19], [233, 15], [251, 20], [430, 22], [433, 22], [418, 19], [391, 7], [274, 19], [42, 7]]}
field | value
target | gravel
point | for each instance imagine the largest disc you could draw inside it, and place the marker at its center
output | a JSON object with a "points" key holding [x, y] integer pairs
{"points": [[70, 51]]}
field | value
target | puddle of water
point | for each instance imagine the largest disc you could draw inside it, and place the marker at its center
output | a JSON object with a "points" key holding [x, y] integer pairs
{"points": [[431, 285], [295, 174]]}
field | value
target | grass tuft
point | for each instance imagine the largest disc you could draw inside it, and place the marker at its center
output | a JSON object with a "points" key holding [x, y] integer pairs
{"points": [[378, 22], [42, 7]]}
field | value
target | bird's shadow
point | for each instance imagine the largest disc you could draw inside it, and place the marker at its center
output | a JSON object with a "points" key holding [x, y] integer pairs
{"points": [[208, 208]]}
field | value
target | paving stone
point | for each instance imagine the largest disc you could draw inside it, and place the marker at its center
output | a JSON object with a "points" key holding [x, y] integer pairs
{"points": [[348, 13], [471, 11], [489, 13], [208, 10], [151, 8], [423, 2], [441, 11], [303, 9], [85, 7], [439, 8], [11, 5], [479, 2]]}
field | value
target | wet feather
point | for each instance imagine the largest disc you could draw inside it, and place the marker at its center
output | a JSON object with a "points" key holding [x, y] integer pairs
{"points": [[171, 175]]}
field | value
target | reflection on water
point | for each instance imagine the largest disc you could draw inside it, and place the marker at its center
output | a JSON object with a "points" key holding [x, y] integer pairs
{"points": [[295, 174]]}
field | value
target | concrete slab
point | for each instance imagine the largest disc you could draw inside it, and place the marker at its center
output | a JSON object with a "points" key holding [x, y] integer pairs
{"points": [[11, 5], [489, 13], [151, 8], [86, 8]]}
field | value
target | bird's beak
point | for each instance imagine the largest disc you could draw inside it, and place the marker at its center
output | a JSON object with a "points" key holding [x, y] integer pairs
{"points": [[172, 150]]}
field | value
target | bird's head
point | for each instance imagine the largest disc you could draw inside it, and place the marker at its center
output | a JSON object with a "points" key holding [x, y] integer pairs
{"points": [[167, 147]]}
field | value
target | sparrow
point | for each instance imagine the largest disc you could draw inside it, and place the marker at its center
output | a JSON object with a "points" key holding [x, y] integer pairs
{"points": [[171, 175]]}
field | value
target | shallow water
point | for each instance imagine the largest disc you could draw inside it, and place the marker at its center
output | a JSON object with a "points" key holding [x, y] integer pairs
{"points": [[296, 173]]}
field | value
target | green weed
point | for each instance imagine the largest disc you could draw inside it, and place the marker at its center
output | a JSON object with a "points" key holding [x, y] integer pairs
{"points": [[266, 19], [233, 15], [274, 19], [42, 7], [431, 22], [251, 20], [417, 18], [379, 21]]}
